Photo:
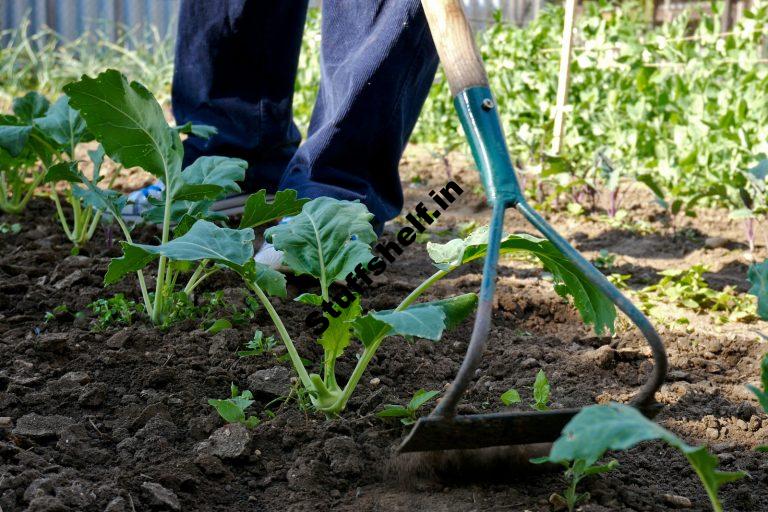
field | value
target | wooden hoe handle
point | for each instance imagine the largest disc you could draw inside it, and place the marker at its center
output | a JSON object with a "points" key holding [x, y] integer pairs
{"points": [[455, 44]]}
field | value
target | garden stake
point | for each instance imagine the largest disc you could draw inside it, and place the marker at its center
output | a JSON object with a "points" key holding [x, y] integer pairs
{"points": [[443, 429]]}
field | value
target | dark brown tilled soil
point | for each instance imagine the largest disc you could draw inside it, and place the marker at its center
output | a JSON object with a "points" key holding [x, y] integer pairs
{"points": [[119, 421]]}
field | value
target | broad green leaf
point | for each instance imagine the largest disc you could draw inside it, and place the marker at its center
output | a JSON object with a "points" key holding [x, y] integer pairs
{"points": [[205, 240], [14, 137], [593, 306], [63, 171], [127, 120], [613, 426], [649, 182], [336, 336], [758, 276], [319, 241], [425, 321], [762, 394], [30, 106], [63, 124], [510, 396], [133, 259], [420, 398], [259, 211], [220, 171]]}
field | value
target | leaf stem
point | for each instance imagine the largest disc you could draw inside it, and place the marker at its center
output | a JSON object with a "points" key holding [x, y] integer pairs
{"points": [[144, 292], [292, 352]]}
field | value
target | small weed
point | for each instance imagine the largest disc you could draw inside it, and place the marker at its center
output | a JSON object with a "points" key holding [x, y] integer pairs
{"points": [[407, 414], [258, 345], [604, 260], [232, 409], [114, 311], [541, 393], [6, 228]]}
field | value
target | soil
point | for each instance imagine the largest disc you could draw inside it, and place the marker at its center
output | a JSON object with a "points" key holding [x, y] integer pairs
{"points": [[118, 419]]}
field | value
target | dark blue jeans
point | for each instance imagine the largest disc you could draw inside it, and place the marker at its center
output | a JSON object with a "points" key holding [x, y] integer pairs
{"points": [[235, 69]]}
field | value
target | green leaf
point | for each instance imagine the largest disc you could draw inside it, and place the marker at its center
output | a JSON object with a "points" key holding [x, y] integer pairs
{"points": [[336, 336], [268, 279], [511, 396], [14, 137], [127, 120], [63, 171], [613, 426], [219, 325], [593, 306], [456, 309], [393, 411], [648, 181], [30, 106], [259, 211], [541, 390], [132, 260], [228, 410], [203, 131], [762, 394], [423, 321], [420, 398], [758, 276], [310, 298], [218, 171], [64, 125], [369, 330], [205, 240], [319, 242]]}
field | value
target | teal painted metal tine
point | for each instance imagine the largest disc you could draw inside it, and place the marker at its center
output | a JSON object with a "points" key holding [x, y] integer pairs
{"points": [[482, 125]]}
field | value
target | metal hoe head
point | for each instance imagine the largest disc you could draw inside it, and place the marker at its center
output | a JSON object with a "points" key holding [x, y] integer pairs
{"points": [[443, 429]]}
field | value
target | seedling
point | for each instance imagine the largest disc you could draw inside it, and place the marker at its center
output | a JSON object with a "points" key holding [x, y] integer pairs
{"points": [[575, 472], [598, 428], [541, 393], [14, 228], [258, 345], [114, 311], [762, 394], [232, 409], [604, 260], [407, 414]]}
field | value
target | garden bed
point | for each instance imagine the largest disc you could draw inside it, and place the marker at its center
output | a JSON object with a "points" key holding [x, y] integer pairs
{"points": [[118, 419]]}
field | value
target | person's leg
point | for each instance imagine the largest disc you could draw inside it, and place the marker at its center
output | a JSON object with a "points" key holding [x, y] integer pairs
{"points": [[378, 62], [235, 69]]}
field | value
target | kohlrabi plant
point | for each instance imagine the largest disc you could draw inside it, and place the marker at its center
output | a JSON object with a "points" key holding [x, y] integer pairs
{"points": [[31, 141], [599, 428], [131, 127]]}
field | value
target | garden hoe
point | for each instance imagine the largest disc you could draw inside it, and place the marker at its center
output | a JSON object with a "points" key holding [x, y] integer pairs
{"points": [[443, 429]]}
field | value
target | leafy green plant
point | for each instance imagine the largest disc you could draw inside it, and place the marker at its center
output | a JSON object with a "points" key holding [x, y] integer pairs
{"points": [[757, 275], [258, 345], [407, 413], [130, 125], [575, 472], [598, 428], [541, 393], [688, 289], [114, 311], [232, 409], [762, 394], [604, 260]]}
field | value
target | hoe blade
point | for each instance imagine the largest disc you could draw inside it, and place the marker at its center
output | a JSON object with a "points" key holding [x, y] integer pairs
{"points": [[483, 430]]}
